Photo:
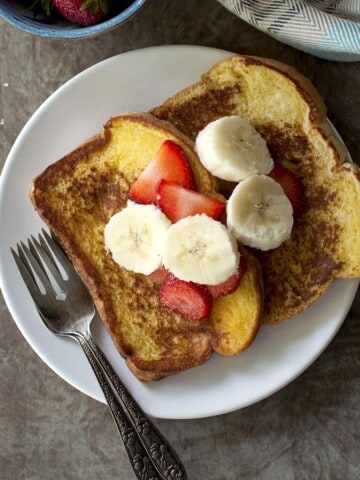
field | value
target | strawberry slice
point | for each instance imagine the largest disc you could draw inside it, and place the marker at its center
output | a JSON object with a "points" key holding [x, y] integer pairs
{"points": [[169, 163], [178, 202], [232, 283], [290, 184], [191, 300]]}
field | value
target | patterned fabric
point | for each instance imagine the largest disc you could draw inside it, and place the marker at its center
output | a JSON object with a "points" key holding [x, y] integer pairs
{"points": [[326, 28]]}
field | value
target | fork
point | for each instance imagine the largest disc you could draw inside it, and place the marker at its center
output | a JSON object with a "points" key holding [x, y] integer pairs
{"points": [[66, 307]]}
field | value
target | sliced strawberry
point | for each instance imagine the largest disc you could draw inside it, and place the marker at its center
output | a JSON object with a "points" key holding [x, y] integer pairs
{"points": [[232, 283], [158, 276], [290, 184], [189, 299], [170, 164], [178, 202]]}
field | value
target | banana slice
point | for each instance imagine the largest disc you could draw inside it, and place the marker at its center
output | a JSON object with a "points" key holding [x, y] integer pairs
{"points": [[200, 249], [231, 149], [259, 214], [134, 236]]}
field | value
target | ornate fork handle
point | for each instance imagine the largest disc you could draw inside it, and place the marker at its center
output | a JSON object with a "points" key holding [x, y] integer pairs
{"points": [[149, 442], [139, 458]]}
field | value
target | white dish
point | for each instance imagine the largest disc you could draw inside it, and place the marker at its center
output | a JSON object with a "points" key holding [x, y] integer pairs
{"points": [[136, 81]]}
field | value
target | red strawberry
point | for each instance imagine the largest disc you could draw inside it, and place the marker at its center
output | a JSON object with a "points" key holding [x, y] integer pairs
{"points": [[189, 299], [178, 202], [290, 184], [82, 12], [232, 283], [158, 276], [170, 164]]}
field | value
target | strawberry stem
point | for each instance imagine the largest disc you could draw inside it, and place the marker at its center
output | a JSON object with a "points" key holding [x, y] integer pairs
{"points": [[95, 6]]}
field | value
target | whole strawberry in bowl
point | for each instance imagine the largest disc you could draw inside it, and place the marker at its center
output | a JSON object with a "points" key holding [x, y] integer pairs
{"points": [[68, 18], [82, 12]]}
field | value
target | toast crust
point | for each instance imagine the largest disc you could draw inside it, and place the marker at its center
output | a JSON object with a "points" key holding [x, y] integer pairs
{"points": [[290, 114], [77, 195]]}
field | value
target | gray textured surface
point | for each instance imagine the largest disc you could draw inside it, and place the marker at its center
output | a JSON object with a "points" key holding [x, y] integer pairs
{"points": [[48, 430]]}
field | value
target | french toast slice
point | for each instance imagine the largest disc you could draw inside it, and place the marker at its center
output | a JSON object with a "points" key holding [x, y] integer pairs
{"points": [[289, 113], [77, 195]]}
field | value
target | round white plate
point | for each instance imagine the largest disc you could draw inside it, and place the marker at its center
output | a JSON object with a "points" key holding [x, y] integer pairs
{"points": [[137, 81]]}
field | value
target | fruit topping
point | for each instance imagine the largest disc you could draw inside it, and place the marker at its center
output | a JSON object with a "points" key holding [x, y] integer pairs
{"points": [[134, 236], [259, 214], [200, 249], [232, 283], [169, 164], [175, 236], [290, 184], [178, 202], [231, 149], [186, 298]]}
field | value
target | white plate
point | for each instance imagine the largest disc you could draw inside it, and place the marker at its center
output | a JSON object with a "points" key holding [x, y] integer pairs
{"points": [[136, 81]]}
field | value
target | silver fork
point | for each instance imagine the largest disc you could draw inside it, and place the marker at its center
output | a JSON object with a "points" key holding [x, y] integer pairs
{"points": [[66, 307]]}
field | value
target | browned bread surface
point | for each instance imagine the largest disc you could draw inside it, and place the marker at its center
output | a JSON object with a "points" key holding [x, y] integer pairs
{"points": [[290, 114], [76, 197]]}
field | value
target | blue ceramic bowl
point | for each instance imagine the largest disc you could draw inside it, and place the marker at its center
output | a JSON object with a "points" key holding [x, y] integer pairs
{"points": [[16, 13]]}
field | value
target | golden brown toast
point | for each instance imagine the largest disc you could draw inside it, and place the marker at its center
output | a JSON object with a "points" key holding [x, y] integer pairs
{"points": [[77, 195], [288, 112]]}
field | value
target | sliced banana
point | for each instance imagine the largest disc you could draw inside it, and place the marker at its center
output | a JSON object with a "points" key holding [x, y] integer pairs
{"points": [[135, 235], [231, 149], [259, 214], [201, 250]]}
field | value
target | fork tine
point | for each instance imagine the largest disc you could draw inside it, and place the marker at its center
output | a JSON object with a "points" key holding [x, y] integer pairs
{"points": [[58, 253], [46, 256], [34, 261], [20, 257], [23, 265], [26, 273]]}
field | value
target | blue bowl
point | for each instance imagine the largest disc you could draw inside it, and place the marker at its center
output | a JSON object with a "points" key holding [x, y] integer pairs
{"points": [[57, 27]]}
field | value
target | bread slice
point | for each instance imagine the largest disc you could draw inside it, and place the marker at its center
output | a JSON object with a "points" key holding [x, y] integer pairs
{"points": [[77, 195], [289, 113]]}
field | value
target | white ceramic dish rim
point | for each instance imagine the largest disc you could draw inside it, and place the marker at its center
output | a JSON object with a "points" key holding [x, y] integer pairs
{"points": [[278, 355]]}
